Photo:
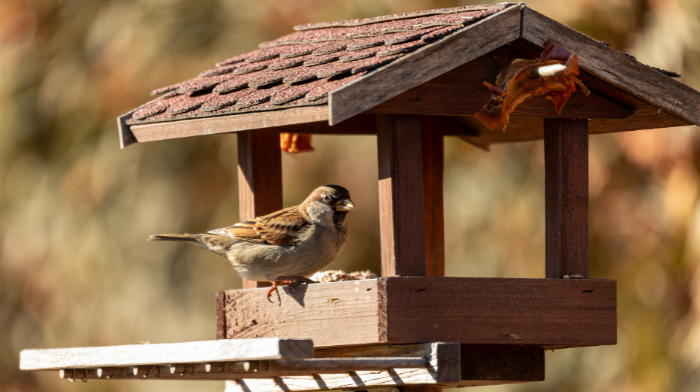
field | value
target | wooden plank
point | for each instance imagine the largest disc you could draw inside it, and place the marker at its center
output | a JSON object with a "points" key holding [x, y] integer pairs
{"points": [[566, 197], [614, 67], [550, 313], [433, 208], [424, 64], [146, 354], [318, 310], [221, 315], [542, 312], [494, 362], [440, 356], [366, 124], [401, 213], [227, 124], [461, 92], [259, 178]]}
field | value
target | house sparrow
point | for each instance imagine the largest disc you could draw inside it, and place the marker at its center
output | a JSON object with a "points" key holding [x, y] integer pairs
{"points": [[286, 246]]}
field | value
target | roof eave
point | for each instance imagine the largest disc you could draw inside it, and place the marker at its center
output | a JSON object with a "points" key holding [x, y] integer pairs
{"points": [[149, 132]]}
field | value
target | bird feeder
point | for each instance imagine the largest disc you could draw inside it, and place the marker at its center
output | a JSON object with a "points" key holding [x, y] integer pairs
{"points": [[411, 80]]}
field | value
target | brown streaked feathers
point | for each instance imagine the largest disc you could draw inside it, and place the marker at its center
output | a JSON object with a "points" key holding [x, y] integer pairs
{"points": [[279, 228]]}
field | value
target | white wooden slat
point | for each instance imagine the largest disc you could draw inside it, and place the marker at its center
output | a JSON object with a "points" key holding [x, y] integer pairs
{"points": [[150, 354]]}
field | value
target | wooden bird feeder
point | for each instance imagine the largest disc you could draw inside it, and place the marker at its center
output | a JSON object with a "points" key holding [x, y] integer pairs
{"points": [[411, 79]]}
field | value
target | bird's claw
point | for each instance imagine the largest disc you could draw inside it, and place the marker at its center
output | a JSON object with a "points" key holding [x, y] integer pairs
{"points": [[289, 281], [275, 284]]}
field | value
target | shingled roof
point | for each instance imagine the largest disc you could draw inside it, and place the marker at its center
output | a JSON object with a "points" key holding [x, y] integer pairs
{"points": [[366, 62], [299, 69]]}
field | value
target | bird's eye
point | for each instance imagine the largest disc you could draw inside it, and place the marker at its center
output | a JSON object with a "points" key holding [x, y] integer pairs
{"points": [[325, 197]]}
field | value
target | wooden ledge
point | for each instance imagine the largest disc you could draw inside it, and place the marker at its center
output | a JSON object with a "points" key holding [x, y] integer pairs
{"points": [[551, 313], [167, 353]]}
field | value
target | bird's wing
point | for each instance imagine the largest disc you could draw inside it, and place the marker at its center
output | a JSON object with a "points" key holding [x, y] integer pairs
{"points": [[279, 228]]}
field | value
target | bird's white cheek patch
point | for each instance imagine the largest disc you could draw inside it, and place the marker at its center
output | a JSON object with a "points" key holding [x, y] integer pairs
{"points": [[320, 213]]}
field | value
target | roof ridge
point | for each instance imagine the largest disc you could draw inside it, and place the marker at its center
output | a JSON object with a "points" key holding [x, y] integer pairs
{"points": [[407, 15], [459, 17]]}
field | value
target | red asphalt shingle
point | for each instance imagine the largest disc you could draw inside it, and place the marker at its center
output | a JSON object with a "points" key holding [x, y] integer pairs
{"points": [[303, 67]]}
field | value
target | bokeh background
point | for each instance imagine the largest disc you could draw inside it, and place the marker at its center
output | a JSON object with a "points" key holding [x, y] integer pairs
{"points": [[75, 210]]}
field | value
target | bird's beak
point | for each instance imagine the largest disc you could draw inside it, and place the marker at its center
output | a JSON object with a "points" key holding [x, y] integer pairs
{"points": [[344, 205]]}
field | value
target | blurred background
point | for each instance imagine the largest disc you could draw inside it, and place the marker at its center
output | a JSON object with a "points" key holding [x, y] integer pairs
{"points": [[75, 210]]}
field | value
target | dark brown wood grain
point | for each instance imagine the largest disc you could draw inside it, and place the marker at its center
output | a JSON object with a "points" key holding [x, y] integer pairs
{"points": [[542, 312], [433, 209], [566, 197], [259, 177], [552, 313], [461, 92], [496, 362], [402, 220], [366, 124], [221, 315]]}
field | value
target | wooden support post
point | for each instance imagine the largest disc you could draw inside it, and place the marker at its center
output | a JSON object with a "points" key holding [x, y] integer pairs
{"points": [[401, 195], [433, 169], [259, 177], [221, 315], [566, 197]]}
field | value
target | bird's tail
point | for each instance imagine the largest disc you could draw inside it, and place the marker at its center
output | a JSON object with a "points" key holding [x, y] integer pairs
{"points": [[176, 237], [215, 243]]}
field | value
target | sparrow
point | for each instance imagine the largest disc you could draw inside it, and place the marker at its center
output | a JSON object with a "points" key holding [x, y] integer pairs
{"points": [[285, 247]]}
